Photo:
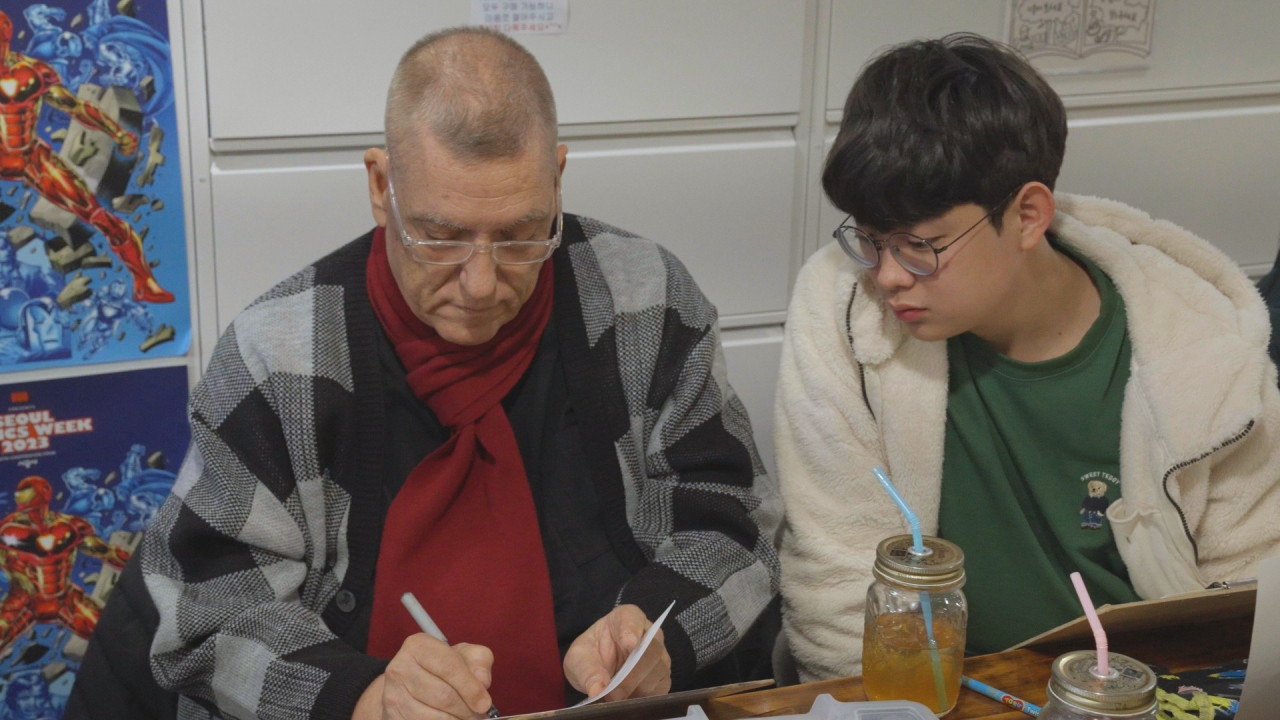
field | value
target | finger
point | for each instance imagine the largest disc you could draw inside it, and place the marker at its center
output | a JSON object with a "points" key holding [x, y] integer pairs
{"points": [[583, 668], [627, 687], [403, 706], [607, 646], [598, 682], [480, 659], [412, 691], [628, 626], [443, 662], [651, 658], [657, 682]]}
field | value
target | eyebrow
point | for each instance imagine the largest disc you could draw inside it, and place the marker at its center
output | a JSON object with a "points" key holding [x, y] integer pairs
{"points": [[881, 235], [433, 219]]}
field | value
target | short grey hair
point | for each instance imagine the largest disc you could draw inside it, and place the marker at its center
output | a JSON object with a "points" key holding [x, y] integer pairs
{"points": [[475, 90]]}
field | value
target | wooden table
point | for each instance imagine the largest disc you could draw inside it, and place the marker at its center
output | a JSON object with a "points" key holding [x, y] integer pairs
{"points": [[1024, 673]]}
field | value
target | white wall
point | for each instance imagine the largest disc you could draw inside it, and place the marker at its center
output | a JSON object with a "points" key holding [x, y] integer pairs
{"points": [[701, 124]]}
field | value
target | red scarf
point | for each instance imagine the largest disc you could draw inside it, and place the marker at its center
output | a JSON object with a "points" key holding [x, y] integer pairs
{"points": [[462, 534]]}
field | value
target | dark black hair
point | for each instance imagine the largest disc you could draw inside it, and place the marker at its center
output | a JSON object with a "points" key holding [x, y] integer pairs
{"points": [[933, 124]]}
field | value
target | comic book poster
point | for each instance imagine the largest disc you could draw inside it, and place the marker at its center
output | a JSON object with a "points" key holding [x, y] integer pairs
{"points": [[93, 263], [85, 463]]}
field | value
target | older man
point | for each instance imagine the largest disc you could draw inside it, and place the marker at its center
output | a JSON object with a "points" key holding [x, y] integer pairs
{"points": [[518, 415]]}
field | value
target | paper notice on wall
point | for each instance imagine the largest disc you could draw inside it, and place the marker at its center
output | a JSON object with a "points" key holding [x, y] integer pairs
{"points": [[1078, 29], [522, 17]]}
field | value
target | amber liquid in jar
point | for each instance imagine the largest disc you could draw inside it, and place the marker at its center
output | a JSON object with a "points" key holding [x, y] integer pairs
{"points": [[896, 663]]}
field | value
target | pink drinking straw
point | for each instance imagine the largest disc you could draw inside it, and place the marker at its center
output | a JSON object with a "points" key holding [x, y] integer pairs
{"points": [[1099, 635]]}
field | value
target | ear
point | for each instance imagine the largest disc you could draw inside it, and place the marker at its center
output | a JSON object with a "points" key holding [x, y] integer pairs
{"points": [[562, 156], [1035, 208], [376, 163]]}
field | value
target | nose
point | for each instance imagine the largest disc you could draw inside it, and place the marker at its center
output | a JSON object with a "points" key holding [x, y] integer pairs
{"points": [[479, 277], [890, 276]]}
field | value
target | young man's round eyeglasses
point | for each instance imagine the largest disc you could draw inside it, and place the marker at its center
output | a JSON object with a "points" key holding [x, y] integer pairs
{"points": [[455, 252], [912, 252]]}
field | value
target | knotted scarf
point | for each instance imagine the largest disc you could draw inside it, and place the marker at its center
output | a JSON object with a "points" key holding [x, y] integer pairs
{"points": [[462, 533]]}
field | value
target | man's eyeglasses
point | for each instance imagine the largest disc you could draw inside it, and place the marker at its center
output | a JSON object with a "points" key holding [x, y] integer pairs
{"points": [[455, 252], [911, 251]]}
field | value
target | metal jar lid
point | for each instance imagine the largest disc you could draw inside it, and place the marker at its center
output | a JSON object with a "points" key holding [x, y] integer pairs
{"points": [[940, 567], [1130, 689]]}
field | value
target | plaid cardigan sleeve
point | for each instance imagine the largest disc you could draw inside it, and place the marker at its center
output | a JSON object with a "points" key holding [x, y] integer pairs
{"points": [[251, 547], [699, 501]]}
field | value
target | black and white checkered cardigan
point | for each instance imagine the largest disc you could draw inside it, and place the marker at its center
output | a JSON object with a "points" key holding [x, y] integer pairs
{"points": [[265, 552]]}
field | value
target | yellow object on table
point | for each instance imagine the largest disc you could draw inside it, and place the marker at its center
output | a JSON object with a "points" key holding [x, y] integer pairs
{"points": [[1200, 706]]}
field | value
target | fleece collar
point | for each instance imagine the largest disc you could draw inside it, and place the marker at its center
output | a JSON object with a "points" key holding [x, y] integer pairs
{"points": [[1197, 325]]}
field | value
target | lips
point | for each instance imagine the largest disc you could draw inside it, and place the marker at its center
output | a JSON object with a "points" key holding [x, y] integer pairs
{"points": [[473, 312], [908, 313]]}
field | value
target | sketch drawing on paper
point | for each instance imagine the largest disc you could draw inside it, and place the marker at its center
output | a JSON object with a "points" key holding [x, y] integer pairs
{"points": [[1079, 28]]}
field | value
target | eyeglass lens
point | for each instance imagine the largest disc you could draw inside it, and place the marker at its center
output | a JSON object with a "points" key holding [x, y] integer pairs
{"points": [[915, 255], [524, 252], [515, 253]]}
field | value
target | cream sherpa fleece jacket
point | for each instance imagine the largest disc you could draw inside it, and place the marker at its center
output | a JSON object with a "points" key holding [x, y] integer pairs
{"points": [[1199, 435]]}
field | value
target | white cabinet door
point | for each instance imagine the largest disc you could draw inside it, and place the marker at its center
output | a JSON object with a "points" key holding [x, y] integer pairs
{"points": [[272, 222], [753, 357], [860, 29], [723, 207], [320, 67], [1214, 173]]}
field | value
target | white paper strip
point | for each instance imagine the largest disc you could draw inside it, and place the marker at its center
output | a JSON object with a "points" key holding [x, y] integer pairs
{"points": [[634, 658], [1261, 694]]}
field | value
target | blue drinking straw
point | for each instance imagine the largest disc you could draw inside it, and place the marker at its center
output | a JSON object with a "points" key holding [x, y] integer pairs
{"points": [[912, 520], [926, 604], [935, 657]]}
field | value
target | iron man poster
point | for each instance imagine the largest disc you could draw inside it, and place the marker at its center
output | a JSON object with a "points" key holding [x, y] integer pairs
{"points": [[93, 263], [85, 463]]}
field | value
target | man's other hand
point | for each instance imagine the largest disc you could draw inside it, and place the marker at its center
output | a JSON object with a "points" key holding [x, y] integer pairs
{"points": [[600, 652], [428, 680]]}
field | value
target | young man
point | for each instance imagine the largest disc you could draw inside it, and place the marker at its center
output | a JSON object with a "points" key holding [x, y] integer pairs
{"points": [[1055, 383]]}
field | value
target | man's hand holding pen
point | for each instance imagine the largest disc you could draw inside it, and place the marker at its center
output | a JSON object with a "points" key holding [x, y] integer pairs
{"points": [[431, 680]]}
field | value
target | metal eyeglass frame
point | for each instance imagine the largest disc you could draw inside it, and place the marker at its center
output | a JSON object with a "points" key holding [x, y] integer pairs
{"points": [[410, 242], [894, 247]]}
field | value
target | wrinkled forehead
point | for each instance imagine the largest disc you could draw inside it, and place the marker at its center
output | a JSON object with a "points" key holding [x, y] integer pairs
{"points": [[423, 158], [473, 196]]}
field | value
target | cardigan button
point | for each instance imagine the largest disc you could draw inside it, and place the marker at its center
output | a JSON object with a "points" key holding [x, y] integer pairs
{"points": [[346, 601]]}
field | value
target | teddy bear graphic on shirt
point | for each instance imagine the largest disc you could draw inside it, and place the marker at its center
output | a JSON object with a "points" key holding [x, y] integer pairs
{"points": [[1094, 506]]}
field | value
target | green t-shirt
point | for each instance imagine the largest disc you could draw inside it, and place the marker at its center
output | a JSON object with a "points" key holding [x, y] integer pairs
{"points": [[1032, 461]]}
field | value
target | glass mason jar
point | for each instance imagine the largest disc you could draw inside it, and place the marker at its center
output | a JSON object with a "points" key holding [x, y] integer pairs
{"points": [[898, 660], [1078, 692]]}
